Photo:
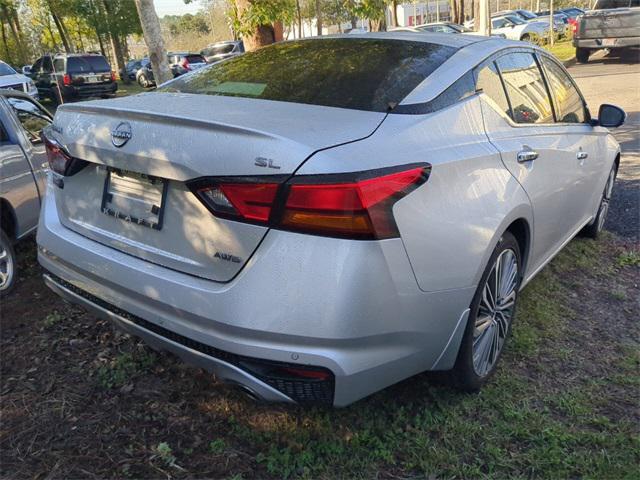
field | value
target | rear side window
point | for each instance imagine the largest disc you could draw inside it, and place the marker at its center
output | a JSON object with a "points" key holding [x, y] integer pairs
{"points": [[354, 73], [195, 59], [87, 64], [488, 80], [525, 87], [567, 100]]}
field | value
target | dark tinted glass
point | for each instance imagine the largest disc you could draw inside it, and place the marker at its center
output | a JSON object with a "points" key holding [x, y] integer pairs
{"points": [[87, 64], [489, 81], [605, 4], [568, 103], [195, 59], [6, 69], [525, 88], [355, 73], [3, 134]]}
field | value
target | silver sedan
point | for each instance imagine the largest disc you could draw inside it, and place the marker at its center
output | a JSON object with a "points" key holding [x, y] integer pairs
{"points": [[319, 219]]}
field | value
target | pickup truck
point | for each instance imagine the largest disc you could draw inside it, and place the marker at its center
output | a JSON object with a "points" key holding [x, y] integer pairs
{"points": [[612, 24], [23, 165]]}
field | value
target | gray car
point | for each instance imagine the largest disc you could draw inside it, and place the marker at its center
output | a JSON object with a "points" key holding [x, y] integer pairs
{"points": [[324, 218], [22, 175]]}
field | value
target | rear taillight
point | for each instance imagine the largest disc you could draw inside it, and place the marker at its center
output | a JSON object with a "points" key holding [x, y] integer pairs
{"points": [[60, 161], [184, 63], [113, 76], [356, 205], [66, 79]]}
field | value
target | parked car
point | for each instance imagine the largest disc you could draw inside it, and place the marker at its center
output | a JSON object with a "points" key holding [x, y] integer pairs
{"points": [[22, 175], [560, 22], [73, 76], [222, 50], [441, 27], [326, 232], [514, 28], [132, 68], [184, 62], [612, 24], [12, 80]]}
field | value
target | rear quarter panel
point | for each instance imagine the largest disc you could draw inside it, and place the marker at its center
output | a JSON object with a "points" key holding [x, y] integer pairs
{"points": [[451, 224]]}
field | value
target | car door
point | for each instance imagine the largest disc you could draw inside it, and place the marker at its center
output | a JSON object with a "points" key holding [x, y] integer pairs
{"points": [[524, 131], [17, 184], [586, 143], [499, 26], [29, 120]]}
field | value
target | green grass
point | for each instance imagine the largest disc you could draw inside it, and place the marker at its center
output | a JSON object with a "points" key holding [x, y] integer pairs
{"points": [[123, 368], [131, 89], [563, 50], [523, 424]]}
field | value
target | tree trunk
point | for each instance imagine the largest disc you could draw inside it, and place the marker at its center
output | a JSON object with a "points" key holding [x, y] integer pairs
{"points": [[394, 13], [476, 15], [4, 41], [115, 45], [61, 31], [153, 39], [262, 35], [299, 15], [318, 18]]}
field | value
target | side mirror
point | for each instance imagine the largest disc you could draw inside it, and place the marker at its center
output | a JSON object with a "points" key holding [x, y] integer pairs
{"points": [[611, 116]]}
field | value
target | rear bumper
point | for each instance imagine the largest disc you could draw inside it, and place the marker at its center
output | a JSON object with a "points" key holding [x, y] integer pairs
{"points": [[87, 91], [352, 308], [599, 43]]}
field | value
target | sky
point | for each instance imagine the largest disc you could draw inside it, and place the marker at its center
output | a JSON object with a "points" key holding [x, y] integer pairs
{"points": [[175, 7]]}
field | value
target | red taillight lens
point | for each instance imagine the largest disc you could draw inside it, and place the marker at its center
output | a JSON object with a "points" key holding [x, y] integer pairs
{"points": [[66, 79], [358, 209], [185, 64], [60, 161], [357, 205], [113, 76], [240, 201]]}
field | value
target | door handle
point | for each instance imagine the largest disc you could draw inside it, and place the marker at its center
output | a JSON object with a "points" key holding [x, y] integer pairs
{"points": [[526, 155], [581, 155]]}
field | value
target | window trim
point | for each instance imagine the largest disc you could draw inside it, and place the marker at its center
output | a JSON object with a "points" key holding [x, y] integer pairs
{"points": [[507, 50], [585, 107]]}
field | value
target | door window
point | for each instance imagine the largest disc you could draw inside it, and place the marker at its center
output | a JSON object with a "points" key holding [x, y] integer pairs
{"points": [[526, 89], [32, 118], [499, 23], [488, 80], [58, 65], [567, 101]]}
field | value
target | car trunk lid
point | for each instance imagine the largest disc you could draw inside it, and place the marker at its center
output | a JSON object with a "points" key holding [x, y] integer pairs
{"points": [[134, 198]]}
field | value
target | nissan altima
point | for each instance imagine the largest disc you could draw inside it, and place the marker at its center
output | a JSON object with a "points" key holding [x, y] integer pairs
{"points": [[319, 219]]}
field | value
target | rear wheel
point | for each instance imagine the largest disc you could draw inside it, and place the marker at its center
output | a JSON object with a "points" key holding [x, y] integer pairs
{"points": [[7, 264], [593, 230], [582, 55], [492, 312], [142, 81]]}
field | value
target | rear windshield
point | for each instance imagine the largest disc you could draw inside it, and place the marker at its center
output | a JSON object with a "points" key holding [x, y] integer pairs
{"points": [[87, 64], [355, 73]]}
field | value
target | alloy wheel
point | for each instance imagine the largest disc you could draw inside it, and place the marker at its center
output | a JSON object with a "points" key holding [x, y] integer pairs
{"points": [[6, 266], [495, 312]]}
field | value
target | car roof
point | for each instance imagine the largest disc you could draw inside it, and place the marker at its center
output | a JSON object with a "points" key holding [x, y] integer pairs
{"points": [[456, 41]]}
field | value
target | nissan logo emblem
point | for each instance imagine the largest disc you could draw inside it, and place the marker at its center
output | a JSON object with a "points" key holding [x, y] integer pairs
{"points": [[121, 134]]}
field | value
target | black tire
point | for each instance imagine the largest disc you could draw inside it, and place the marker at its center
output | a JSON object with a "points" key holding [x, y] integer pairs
{"points": [[596, 226], [582, 55], [8, 265], [55, 96], [525, 38], [464, 375]]}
